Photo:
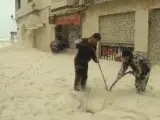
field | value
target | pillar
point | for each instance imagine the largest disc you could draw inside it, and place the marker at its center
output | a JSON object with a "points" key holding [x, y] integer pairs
{"points": [[141, 29]]}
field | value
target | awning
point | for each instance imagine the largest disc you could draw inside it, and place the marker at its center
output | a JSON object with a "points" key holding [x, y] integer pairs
{"points": [[34, 22]]}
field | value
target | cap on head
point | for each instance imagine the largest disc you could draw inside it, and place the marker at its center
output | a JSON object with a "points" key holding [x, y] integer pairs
{"points": [[97, 36], [126, 52]]}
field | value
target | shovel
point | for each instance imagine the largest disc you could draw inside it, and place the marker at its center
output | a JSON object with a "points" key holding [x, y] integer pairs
{"points": [[106, 87], [129, 72]]}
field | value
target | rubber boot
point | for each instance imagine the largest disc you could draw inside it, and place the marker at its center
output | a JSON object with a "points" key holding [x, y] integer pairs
{"points": [[77, 84], [77, 87], [84, 81]]}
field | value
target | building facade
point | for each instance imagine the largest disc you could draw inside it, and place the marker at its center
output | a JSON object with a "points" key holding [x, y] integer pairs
{"points": [[39, 22], [121, 23], [32, 23], [125, 23], [67, 18]]}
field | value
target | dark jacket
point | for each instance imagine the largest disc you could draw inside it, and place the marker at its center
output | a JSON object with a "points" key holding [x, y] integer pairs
{"points": [[85, 53]]}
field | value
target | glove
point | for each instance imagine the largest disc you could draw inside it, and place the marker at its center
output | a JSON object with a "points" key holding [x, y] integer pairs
{"points": [[96, 60], [119, 76]]}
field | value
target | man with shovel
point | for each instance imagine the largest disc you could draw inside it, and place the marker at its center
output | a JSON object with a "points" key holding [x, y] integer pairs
{"points": [[140, 66], [86, 51]]}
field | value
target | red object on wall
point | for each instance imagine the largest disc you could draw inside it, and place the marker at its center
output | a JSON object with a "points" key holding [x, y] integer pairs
{"points": [[69, 19], [108, 51]]}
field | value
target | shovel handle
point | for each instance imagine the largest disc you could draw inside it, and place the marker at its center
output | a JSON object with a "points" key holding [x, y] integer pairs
{"points": [[118, 80], [103, 76], [106, 87]]}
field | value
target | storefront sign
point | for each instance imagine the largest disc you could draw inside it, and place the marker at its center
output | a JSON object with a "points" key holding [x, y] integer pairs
{"points": [[73, 18]]}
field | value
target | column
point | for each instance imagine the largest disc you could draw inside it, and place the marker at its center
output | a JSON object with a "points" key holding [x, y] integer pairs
{"points": [[141, 29]]}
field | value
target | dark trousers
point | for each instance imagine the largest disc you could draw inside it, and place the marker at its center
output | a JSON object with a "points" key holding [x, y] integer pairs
{"points": [[141, 83], [81, 75]]}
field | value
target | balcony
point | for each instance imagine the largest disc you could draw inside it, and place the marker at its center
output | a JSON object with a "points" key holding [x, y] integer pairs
{"points": [[63, 3]]}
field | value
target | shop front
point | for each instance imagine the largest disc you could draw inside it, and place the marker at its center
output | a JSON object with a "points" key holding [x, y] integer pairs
{"points": [[68, 29], [117, 31]]}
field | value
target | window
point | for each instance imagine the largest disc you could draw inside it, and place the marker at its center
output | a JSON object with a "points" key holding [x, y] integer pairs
{"points": [[18, 4], [29, 1]]}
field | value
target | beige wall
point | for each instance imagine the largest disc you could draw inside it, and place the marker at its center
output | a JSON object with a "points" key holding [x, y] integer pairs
{"points": [[20, 23], [141, 31], [91, 20], [44, 3], [44, 34], [27, 7], [60, 3]]}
